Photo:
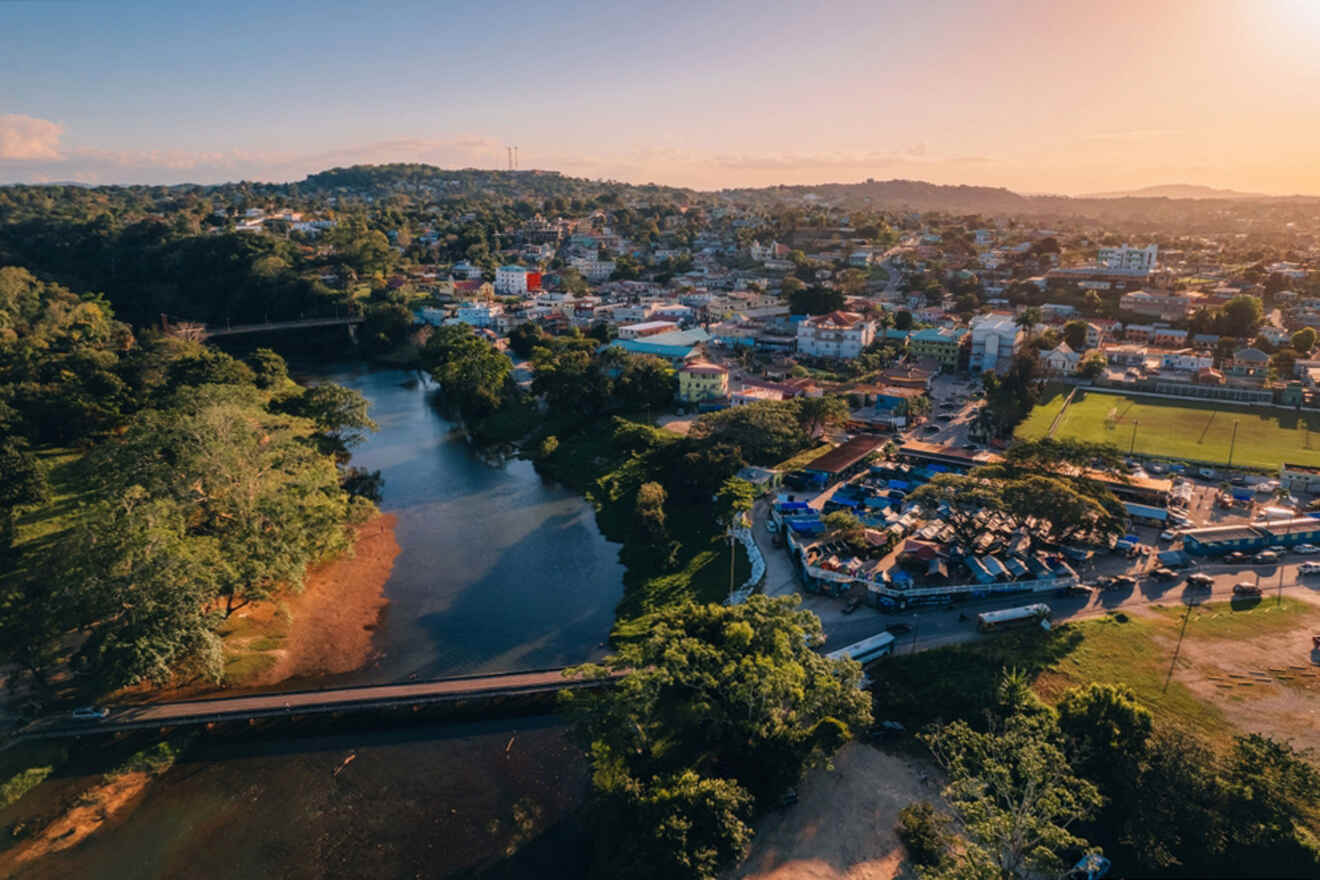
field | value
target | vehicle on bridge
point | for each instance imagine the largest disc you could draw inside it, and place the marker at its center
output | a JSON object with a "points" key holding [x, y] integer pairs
{"points": [[1025, 615]]}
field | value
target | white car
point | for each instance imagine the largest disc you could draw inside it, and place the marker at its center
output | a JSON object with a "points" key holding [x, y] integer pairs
{"points": [[90, 713], [1306, 549], [1309, 568]]}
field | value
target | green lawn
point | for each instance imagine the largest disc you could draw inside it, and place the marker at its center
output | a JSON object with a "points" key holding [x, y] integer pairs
{"points": [[1199, 432]]}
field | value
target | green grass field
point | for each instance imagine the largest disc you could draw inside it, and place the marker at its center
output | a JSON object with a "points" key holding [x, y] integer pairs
{"points": [[1182, 429]]}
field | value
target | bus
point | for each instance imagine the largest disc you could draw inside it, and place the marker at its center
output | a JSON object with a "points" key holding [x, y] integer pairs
{"points": [[988, 621], [866, 650]]}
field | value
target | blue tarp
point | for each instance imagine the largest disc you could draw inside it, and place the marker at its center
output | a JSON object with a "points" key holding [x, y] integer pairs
{"points": [[995, 567], [806, 526], [899, 576], [1243, 494], [793, 505], [980, 573], [901, 485]]}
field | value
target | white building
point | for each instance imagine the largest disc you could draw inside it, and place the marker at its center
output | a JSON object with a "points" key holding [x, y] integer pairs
{"points": [[592, 269], [478, 314], [841, 335], [996, 337], [1187, 360], [1128, 259], [511, 280]]}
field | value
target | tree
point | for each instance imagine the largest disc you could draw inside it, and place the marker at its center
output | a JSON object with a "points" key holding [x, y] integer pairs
{"points": [[735, 498], [1027, 319], [268, 368], [959, 501], [1241, 316], [791, 285], [1092, 303], [649, 512], [1273, 787], [852, 281], [729, 692], [1092, 364], [766, 432], [846, 527], [340, 413], [1015, 795], [815, 301], [1074, 333], [22, 482], [903, 320], [1304, 340], [815, 414], [1107, 730]]}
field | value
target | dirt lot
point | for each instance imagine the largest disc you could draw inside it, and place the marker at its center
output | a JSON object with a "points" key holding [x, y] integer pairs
{"points": [[842, 827], [1268, 684]]}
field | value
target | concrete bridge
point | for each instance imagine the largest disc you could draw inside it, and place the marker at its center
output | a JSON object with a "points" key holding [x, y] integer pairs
{"points": [[202, 332], [294, 703]]}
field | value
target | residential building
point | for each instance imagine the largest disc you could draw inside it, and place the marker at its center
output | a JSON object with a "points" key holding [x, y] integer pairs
{"points": [[1168, 336], [1188, 360], [592, 269], [512, 280], [1128, 259], [1169, 305], [1126, 355], [839, 334], [648, 328], [1298, 478], [701, 380], [996, 337], [478, 314], [944, 344], [678, 346], [1248, 363], [1061, 360]]}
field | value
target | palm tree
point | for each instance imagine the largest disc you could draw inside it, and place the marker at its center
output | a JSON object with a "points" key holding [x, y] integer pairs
{"points": [[1029, 318]]}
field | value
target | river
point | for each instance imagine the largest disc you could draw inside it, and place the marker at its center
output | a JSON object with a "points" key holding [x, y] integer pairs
{"points": [[497, 568]]}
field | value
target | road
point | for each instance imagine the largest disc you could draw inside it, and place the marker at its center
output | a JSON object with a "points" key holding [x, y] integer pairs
{"points": [[146, 715], [934, 627]]}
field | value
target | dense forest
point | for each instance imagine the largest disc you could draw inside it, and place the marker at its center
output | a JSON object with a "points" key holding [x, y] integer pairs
{"points": [[151, 486]]}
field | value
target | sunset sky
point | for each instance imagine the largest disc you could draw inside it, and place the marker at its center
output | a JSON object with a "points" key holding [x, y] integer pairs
{"points": [[1035, 95]]}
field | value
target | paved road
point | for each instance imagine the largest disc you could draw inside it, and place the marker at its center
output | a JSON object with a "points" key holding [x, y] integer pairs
{"points": [[302, 702]]}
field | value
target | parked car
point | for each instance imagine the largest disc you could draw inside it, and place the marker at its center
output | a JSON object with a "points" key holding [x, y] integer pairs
{"points": [[1200, 581], [898, 629], [1245, 589], [931, 429], [1207, 473], [1267, 556], [1074, 590], [1168, 535], [1309, 568], [853, 604], [90, 713], [1237, 557], [1306, 549], [1164, 574]]}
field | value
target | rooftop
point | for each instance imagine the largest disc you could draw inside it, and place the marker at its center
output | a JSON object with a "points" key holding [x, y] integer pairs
{"points": [[846, 455]]}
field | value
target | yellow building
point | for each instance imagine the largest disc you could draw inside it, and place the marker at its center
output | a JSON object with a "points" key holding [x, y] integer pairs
{"points": [[702, 380]]}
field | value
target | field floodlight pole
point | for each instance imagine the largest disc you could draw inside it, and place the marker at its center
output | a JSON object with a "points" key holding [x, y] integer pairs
{"points": [[1232, 444], [1133, 444]]}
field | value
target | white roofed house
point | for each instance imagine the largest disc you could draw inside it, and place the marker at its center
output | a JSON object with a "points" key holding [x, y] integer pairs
{"points": [[1061, 360]]}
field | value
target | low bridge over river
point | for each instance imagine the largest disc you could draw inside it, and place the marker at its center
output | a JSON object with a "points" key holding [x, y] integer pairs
{"points": [[296, 703]]}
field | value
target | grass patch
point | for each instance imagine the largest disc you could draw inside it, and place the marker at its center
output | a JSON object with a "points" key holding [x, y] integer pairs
{"points": [[70, 496], [803, 458], [1194, 431], [959, 681], [26, 766], [153, 760], [244, 668]]}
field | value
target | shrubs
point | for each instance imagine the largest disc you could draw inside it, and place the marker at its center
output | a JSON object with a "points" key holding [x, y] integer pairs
{"points": [[924, 831]]}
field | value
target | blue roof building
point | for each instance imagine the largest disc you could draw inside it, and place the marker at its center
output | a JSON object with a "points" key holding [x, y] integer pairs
{"points": [[678, 346]]}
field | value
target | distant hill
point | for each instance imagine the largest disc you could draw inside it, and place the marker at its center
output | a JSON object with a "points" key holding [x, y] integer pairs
{"points": [[1177, 191]]}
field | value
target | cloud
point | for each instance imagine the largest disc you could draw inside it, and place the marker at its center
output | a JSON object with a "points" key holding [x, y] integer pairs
{"points": [[27, 137]]}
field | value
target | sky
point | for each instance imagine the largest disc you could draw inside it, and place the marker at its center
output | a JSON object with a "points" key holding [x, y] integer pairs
{"points": [[1056, 96]]}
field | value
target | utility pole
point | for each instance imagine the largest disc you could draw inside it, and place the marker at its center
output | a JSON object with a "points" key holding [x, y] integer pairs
{"points": [[1232, 443], [1133, 444]]}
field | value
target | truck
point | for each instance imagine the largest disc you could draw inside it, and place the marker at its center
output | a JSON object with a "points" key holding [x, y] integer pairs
{"points": [[1024, 615]]}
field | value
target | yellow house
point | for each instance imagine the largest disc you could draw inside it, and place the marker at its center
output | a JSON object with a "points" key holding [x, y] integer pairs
{"points": [[702, 380]]}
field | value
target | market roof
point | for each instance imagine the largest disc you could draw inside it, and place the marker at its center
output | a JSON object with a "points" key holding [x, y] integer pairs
{"points": [[846, 455]]}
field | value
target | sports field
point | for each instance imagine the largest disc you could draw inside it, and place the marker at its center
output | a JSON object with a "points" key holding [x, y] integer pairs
{"points": [[1182, 429]]}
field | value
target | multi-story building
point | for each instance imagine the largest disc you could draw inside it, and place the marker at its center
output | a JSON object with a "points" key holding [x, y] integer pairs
{"points": [[592, 269], [1187, 360], [1128, 259], [511, 280], [702, 380], [647, 328], [996, 337], [944, 344], [839, 334]]}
